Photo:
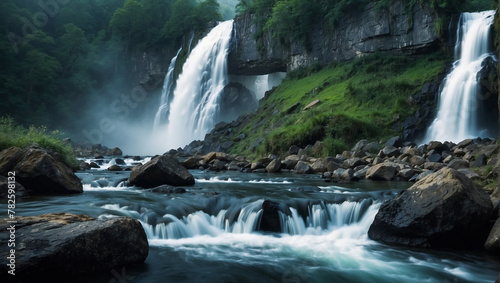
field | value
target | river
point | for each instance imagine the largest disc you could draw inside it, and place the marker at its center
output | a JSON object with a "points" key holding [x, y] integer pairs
{"points": [[209, 234]]}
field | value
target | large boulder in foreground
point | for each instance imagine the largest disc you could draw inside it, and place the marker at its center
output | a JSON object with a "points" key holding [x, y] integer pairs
{"points": [[39, 171], [444, 209], [161, 170], [62, 245]]}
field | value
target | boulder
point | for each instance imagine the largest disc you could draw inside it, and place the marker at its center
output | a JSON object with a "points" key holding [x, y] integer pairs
{"points": [[444, 209], [192, 162], [303, 168], [383, 172], [270, 220], [319, 166], [161, 170], [62, 247], [274, 166], [115, 152], [492, 243], [458, 164], [40, 171], [18, 189], [395, 142], [353, 162], [115, 168]]}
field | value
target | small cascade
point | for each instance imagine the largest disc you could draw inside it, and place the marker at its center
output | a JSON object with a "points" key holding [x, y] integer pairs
{"points": [[320, 219], [200, 223], [459, 99], [168, 82], [195, 105], [326, 217]]}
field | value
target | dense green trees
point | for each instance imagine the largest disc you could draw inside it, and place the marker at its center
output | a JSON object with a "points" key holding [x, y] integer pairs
{"points": [[59, 57]]}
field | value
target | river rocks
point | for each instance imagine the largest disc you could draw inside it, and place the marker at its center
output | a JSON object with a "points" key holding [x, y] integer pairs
{"points": [[303, 168], [385, 171], [161, 170], [52, 247], [115, 168], [492, 243], [18, 189], [270, 220], [274, 166], [445, 209], [39, 171]]}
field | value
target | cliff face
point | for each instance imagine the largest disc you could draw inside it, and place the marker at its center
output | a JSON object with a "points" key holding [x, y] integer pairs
{"points": [[395, 30]]}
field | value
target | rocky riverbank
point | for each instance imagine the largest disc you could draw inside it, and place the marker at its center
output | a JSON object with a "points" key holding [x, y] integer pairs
{"points": [[60, 247]]}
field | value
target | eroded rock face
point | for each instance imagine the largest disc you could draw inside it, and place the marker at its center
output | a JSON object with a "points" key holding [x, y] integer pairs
{"points": [[39, 171], [60, 245], [161, 170], [395, 31], [444, 209]]}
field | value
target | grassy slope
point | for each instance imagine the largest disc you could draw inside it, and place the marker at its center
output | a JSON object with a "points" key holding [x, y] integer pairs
{"points": [[359, 99], [12, 134]]}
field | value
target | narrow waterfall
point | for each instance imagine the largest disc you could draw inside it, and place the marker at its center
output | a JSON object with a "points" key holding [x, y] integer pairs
{"points": [[195, 104], [354, 218], [163, 111], [456, 119]]}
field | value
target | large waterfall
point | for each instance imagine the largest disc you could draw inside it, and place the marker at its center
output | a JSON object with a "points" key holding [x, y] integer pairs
{"points": [[195, 104], [460, 98]]}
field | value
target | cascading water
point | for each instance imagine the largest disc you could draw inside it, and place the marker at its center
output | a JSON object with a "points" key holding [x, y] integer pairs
{"points": [[321, 218], [168, 82], [456, 119], [195, 104]]}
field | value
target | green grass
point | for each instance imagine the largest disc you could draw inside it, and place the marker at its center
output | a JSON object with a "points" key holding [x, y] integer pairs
{"points": [[360, 99], [12, 134]]}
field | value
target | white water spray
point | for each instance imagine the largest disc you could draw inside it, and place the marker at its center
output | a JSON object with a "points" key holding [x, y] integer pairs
{"points": [[458, 101], [195, 105]]}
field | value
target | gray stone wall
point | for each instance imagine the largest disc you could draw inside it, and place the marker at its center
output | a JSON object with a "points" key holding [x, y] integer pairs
{"points": [[395, 30]]}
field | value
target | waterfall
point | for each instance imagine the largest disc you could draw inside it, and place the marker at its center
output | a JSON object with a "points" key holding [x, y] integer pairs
{"points": [[194, 109], [353, 217], [163, 111], [459, 99]]}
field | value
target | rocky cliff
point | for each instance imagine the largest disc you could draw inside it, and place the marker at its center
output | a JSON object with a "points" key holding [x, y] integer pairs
{"points": [[396, 30]]}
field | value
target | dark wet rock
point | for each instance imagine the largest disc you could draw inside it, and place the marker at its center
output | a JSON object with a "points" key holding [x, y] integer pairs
{"points": [[115, 152], [94, 165], [445, 209], [270, 221], [11, 188], [435, 157], [389, 151], [353, 162], [40, 171], [115, 168], [62, 246], [408, 173], [167, 189], [458, 164], [120, 161], [274, 166], [84, 166], [218, 165], [293, 150], [383, 172], [291, 161], [161, 170], [303, 168], [479, 161], [492, 243], [192, 162], [395, 142], [433, 165]]}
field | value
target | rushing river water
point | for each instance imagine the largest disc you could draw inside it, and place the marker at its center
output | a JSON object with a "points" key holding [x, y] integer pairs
{"points": [[209, 234]]}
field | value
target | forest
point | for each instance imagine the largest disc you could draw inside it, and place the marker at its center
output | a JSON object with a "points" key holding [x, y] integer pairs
{"points": [[59, 57]]}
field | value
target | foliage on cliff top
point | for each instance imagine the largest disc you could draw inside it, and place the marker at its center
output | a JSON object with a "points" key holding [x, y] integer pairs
{"points": [[12, 134], [360, 99]]}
